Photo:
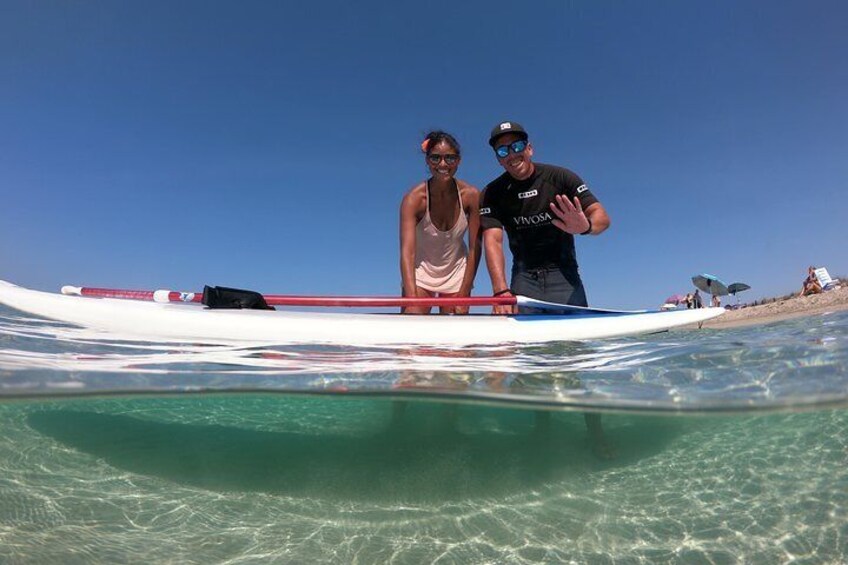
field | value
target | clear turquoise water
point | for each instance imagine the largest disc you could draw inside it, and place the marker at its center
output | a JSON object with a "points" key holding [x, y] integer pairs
{"points": [[731, 448]]}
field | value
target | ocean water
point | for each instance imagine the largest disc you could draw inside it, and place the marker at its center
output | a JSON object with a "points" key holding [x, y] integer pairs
{"points": [[722, 446]]}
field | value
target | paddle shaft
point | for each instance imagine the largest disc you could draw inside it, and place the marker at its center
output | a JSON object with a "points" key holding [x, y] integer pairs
{"points": [[164, 296], [295, 300]]}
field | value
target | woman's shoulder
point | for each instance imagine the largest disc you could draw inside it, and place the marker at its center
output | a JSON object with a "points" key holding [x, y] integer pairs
{"points": [[466, 187], [415, 198], [470, 195], [416, 191]]}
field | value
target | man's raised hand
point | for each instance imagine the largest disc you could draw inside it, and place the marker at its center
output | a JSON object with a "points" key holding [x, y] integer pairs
{"points": [[569, 216]]}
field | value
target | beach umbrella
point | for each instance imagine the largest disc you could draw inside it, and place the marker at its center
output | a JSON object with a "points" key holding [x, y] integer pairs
{"points": [[733, 288], [675, 299], [710, 284]]}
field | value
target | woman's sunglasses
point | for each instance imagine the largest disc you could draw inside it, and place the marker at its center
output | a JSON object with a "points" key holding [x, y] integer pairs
{"points": [[450, 158], [517, 146]]}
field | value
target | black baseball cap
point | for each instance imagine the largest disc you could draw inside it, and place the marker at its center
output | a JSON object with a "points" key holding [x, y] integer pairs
{"points": [[506, 127]]}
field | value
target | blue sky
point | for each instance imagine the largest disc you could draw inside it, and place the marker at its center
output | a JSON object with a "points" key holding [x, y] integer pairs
{"points": [[267, 145]]}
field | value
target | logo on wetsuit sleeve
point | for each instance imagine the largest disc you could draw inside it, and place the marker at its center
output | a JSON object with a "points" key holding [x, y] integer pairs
{"points": [[582, 188], [485, 211], [530, 193]]}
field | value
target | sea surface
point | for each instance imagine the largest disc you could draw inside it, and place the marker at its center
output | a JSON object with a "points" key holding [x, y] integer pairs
{"points": [[721, 446]]}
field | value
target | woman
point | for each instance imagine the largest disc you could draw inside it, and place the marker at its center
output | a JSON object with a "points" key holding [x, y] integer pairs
{"points": [[811, 283], [435, 215]]}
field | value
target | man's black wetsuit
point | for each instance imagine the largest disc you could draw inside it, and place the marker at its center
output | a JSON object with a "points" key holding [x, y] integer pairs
{"points": [[544, 261]]}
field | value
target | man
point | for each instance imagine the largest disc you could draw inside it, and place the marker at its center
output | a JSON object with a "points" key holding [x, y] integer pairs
{"points": [[542, 208], [696, 300]]}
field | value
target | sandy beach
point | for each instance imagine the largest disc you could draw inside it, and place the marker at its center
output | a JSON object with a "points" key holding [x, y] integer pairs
{"points": [[782, 309]]}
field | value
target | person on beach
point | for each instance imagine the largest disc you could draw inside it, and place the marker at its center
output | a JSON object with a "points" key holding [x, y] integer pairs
{"points": [[696, 300], [542, 208], [435, 216], [716, 301], [811, 283]]}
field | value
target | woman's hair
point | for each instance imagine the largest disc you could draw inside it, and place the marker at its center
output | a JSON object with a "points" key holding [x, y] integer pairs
{"points": [[435, 137]]}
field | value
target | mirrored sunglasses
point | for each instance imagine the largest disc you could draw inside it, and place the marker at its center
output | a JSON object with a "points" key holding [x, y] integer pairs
{"points": [[517, 146]]}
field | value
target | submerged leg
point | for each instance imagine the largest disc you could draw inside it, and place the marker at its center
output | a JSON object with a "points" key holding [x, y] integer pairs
{"points": [[398, 410], [543, 422], [451, 417], [597, 439]]}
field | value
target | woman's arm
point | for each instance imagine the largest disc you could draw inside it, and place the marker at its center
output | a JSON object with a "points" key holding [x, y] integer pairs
{"points": [[471, 204], [408, 220], [471, 207]]}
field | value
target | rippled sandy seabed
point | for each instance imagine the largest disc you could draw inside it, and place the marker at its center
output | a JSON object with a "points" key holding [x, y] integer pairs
{"points": [[230, 479], [202, 477]]}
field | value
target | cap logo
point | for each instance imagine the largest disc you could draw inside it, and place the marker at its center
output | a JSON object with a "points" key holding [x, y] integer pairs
{"points": [[506, 125]]}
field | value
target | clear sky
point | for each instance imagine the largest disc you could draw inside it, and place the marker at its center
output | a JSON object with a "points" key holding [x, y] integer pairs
{"points": [[267, 145]]}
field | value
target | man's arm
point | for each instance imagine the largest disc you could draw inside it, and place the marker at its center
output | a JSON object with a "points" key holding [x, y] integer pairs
{"points": [[598, 217], [496, 264]]}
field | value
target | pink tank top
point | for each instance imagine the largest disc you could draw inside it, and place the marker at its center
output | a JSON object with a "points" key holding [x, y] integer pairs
{"points": [[440, 256]]}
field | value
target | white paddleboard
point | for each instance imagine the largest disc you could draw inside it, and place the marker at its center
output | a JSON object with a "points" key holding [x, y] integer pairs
{"points": [[154, 321]]}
